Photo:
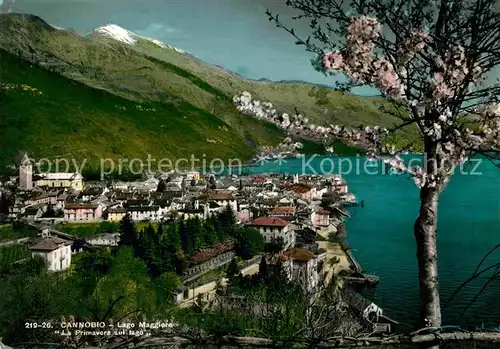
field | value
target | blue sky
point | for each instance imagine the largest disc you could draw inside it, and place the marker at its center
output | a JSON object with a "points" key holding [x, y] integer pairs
{"points": [[235, 34]]}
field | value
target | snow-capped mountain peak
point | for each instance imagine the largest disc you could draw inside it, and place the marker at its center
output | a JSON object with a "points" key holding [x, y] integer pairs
{"points": [[118, 33], [121, 34], [58, 28]]}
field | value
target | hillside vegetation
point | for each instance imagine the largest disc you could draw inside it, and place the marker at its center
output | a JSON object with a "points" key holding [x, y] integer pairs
{"points": [[51, 116], [102, 98]]}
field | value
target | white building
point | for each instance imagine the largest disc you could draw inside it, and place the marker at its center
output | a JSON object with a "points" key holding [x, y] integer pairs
{"points": [[340, 185], [272, 228], [192, 213], [116, 214], [55, 251], [60, 180], [364, 307], [104, 240], [303, 266], [285, 202], [119, 185], [142, 213], [151, 184], [193, 175], [211, 208], [16, 210], [320, 218], [225, 200]]}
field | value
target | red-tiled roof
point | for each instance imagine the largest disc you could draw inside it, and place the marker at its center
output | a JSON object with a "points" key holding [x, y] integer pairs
{"points": [[258, 179], [80, 206], [269, 222], [222, 196], [117, 210], [323, 212], [49, 244], [282, 210], [300, 188], [209, 253], [297, 254]]}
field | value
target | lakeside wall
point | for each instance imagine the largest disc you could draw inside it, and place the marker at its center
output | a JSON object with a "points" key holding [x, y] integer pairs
{"points": [[353, 260]]}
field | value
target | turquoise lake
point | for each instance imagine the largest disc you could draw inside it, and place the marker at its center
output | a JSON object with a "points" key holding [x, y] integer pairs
{"points": [[381, 235]]}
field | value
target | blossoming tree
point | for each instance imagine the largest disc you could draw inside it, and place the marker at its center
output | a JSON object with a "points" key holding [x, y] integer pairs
{"points": [[434, 60]]}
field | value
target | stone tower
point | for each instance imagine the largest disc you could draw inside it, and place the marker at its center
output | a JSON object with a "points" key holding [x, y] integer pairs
{"points": [[26, 173]]}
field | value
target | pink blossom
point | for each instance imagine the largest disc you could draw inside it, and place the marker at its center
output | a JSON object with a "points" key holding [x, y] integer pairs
{"points": [[454, 71], [363, 28], [441, 90], [420, 46], [417, 40], [333, 60], [439, 62], [386, 78], [359, 62]]}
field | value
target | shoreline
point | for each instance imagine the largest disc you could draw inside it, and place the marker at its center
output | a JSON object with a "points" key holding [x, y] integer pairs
{"points": [[352, 260]]}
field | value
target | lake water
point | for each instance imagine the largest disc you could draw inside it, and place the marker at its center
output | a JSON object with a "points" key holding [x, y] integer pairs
{"points": [[381, 233]]}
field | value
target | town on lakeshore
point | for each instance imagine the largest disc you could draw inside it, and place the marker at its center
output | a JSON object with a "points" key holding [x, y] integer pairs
{"points": [[298, 218], [282, 174]]}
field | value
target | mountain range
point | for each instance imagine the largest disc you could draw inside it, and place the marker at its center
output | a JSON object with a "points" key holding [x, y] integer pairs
{"points": [[115, 94]]}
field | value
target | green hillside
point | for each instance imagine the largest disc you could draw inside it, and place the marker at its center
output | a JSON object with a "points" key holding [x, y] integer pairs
{"points": [[320, 104], [50, 116], [91, 87]]}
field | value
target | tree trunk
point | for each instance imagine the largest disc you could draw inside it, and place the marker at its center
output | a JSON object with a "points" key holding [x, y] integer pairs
{"points": [[425, 235]]}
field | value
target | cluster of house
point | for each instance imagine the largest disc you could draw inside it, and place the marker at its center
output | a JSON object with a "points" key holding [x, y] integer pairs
{"points": [[66, 197], [286, 208], [278, 206]]}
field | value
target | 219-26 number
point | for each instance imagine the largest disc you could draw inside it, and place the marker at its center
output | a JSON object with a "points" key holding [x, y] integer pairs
{"points": [[37, 325]]}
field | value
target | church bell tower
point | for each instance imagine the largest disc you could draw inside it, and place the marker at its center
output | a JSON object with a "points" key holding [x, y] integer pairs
{"points": [[26, 173]]}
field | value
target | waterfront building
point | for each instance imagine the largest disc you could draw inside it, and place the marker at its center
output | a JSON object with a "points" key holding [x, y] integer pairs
{"points": [[340, 185], [304, 267], [320, 218]]}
